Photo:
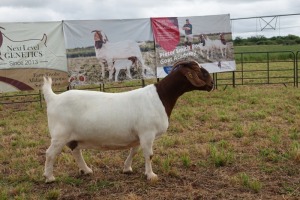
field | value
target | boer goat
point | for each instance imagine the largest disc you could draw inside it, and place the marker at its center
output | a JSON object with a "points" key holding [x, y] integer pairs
{"points": [[123, 64], [112, 121], [210, 46], [109, 51]]}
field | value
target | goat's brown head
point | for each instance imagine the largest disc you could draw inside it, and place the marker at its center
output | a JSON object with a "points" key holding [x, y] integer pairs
{"points": [[198, 77], [185, 76], [101, 37]]}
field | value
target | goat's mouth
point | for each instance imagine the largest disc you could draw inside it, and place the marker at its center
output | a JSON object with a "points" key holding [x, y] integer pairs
{"points": [[210, 87]]}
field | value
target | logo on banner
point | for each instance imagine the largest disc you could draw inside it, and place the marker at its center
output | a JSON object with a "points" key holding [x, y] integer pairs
{"points": [[166, 32], [25, 57], [167, 69], [21, 52]]}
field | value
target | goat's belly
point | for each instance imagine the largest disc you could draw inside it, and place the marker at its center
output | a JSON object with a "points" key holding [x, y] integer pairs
{"points": [[107, 146], [106, 140]]}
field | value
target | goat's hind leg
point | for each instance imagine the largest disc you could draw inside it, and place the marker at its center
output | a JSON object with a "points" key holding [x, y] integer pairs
{"points": [[127, 165], [54, 149], [77, 154]]}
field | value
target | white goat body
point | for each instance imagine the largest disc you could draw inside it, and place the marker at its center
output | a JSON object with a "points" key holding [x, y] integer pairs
{"points": [[90, 119], [117, 50], [103, 121], [211, 45], [121, 64], [111, 51]]}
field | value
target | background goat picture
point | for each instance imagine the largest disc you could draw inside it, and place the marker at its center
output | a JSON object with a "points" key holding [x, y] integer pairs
{"points": [[115, 121], [111, 53], [102, 51]]}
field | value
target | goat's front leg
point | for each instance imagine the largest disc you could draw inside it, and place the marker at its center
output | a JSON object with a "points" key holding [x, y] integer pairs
{"points": [[127, 165], [83, 168], [116, 74], [102, 66], [143, 67], [146, 144], [110, 76], [222, 52], [128, 73], [111, 70]]}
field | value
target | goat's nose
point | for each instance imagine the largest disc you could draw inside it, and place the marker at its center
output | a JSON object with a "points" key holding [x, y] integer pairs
{"points": [[212, 85]]}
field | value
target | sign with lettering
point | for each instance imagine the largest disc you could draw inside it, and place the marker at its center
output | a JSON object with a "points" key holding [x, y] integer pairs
{"points": [[206, 39], [166, 32], [29, 51], [82, 52]]}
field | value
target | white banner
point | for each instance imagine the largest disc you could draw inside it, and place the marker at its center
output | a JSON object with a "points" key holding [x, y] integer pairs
{"points": [[109, 50], [95, 51], [29, 51]]}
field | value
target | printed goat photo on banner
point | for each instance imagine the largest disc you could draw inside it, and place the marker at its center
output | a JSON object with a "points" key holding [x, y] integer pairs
{"points": [[100, 51]]}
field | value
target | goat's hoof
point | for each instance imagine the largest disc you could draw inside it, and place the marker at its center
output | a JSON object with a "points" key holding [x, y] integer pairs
{"points": [[152, 177], [50, 179], [127, 170], [86, 172]]}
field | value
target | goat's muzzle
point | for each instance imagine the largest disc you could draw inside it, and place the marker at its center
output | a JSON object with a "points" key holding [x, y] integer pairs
{"points": [[211, 86]]}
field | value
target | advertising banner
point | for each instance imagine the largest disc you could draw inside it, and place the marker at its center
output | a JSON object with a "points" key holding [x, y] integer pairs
{"points": [[109, 50], [84, 52], [206, 39], [29, 51]]}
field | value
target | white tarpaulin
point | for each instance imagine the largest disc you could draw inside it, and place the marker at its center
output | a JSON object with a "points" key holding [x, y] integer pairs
{"points": [[109, 50], [96, 51], [29, 51]]}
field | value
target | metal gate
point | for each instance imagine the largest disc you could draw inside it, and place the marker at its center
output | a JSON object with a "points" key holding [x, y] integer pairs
{"points": [[275, 67]]}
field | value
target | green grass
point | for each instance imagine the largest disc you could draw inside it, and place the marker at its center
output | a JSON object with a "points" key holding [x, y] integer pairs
{"points": [[238, 143], [251, 183], [248, 135], [263, 48], [255, 66], [259, 53]]}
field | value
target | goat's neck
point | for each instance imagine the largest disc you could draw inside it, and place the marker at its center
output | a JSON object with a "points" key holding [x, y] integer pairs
{"points": [[169, 90]]}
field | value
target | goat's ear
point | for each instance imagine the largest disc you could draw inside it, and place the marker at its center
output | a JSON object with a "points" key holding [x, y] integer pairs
{"points": [[191, 75]]}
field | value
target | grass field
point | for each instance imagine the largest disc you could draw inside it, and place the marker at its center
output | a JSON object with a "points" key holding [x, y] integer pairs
{"points": [[256, 48], [263, 64], [238, 143]]}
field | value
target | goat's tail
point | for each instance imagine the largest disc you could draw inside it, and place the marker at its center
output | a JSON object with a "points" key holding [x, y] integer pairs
{"points": [[47, 90]]}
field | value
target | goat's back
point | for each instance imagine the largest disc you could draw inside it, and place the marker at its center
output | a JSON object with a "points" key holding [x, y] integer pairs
{"points": [[122, 49], [107, 117]]}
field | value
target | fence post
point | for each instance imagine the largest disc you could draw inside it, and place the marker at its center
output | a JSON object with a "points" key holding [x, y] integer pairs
{"points": [[296, 68], [233, 79], [41, 97], [242, 66], [268, 67], [215, 80]]}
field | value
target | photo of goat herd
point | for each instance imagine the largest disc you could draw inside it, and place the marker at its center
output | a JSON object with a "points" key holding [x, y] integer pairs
{"points": [[181, 135]]}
